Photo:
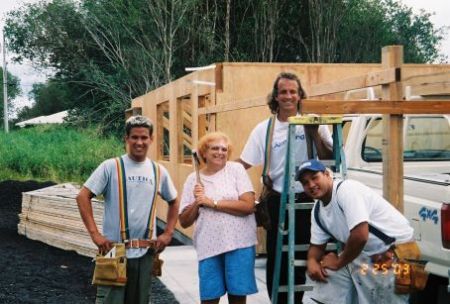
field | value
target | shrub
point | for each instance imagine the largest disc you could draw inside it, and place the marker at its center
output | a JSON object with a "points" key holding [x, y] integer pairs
{"points": [[59, 153]]}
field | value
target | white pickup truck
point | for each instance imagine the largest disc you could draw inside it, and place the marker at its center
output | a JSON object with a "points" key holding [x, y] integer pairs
{"points": [[426, 179]]}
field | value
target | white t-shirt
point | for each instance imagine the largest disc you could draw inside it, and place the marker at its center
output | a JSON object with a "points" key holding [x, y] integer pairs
{"points": [[140, 186], [254, 150], [217, 232], [359, 204]]}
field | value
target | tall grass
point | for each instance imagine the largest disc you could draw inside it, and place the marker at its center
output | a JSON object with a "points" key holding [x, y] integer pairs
{"points": [[58, 153]]}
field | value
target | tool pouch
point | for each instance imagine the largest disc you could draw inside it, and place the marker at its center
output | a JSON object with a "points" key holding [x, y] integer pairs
{"points": [[111, 271], [410, 275], [262, 209], [157, 265]]}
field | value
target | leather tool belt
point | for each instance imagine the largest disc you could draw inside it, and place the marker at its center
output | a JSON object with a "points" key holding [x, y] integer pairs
{"points": [[138, 243], [151, 244], [412, 276]]}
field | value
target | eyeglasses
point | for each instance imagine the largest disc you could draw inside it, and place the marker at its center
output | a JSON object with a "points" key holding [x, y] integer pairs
{"points": [[219, 148]]}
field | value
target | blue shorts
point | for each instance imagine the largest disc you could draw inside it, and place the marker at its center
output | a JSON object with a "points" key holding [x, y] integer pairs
{"points": [[232, 272]]}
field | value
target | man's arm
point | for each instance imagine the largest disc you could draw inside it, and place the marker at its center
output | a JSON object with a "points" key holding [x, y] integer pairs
{"points": [[315, 269], [85, 208], [353, 248], [172, 216], [323, 151], [246, 165]]}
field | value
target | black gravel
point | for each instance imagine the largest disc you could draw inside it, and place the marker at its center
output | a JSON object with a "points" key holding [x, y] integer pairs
{"points": [[33, 272]]}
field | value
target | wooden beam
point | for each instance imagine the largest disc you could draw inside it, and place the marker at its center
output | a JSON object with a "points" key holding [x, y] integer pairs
{"points": [[386, 76], [355, 106], [165, 122], [318, 106], [428, 78], [187, 119], [230, 106], [310, 106], [392, 57], [187, 144], [219, 77], [194, 115], [186, 105], [161, 123], [174, 134], [431, 89], [187, 140]]}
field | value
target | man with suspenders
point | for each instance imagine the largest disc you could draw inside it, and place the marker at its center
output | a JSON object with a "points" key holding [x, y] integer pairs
{"points": [[130, 185], [369, 228], [267, 145]]}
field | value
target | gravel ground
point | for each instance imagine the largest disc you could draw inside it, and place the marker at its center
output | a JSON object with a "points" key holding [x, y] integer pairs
{"points": [[33, 272]]}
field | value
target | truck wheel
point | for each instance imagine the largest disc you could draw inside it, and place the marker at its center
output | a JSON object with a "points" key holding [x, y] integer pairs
{"points": [[435, 292]]}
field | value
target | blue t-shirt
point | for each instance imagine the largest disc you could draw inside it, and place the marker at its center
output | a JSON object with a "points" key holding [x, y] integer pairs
{"points": [[140, 186]]}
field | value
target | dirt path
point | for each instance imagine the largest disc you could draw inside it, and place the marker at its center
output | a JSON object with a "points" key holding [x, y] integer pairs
{"points": [[33, 272]]}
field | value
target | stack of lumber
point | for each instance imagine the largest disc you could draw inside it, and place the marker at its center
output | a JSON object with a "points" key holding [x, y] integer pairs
{"points": [[50, 215]]}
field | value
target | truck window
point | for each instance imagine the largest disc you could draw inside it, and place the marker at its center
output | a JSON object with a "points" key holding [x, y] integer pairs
{"points": [[427, 138], [372, 149]]}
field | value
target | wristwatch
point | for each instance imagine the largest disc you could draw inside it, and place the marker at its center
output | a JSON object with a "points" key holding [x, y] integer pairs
{"points": [[216, 204]]}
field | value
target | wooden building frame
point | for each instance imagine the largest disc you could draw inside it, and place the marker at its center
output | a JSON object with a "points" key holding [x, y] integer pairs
{"points": [[231, 97]]}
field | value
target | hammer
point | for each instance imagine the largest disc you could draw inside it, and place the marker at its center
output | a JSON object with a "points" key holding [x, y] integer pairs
{"points": [[196, 162]]}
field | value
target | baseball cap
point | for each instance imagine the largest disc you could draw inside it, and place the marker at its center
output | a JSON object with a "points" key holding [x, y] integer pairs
{"points": [[310, 165]]}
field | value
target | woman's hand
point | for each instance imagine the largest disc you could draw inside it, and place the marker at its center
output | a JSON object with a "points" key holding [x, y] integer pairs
{"points": [[205, 201], [199, 192], [200, 198]]}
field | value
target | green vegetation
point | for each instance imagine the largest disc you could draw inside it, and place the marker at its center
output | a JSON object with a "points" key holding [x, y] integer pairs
{"points": [[106, 52], [56, 153]]}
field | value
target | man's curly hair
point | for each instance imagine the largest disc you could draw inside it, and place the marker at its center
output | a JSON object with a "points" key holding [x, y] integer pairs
{"points": [[271, 101]]}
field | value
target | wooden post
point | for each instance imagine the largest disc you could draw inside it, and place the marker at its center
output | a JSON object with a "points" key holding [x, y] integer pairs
{"points": [[179, 127], [392, 57], [173, 131], [194, 111]]}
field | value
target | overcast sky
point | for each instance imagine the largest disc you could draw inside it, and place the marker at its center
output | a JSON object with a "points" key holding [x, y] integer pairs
{"points": [[28, 75]]}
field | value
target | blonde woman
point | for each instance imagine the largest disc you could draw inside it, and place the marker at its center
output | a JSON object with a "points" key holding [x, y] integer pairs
{"points": [[222, 208]]}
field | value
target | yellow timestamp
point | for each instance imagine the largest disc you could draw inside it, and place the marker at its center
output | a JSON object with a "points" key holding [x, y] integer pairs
{"points": [[383, 269]]}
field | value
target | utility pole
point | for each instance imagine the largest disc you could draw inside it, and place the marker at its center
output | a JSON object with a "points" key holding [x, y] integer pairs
{"points": [[5, 88]]}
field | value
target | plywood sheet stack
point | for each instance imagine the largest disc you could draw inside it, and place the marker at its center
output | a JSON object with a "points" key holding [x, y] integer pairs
{"points": [[50, 215]]}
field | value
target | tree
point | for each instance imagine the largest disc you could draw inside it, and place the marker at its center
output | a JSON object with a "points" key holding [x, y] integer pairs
{"points": [[106, 52], [325, 21], [51, 97], [416, 32], [371, 24]]}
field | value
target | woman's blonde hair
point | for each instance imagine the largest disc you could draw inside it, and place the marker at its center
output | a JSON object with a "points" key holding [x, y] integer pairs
{"points": [[203, 144]]}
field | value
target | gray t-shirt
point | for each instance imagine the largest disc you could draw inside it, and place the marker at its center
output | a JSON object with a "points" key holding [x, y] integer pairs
{"points": [[140, 186]]}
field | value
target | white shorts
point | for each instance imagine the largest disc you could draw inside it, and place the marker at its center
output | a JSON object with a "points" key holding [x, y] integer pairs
{"points": [[358, 282]]}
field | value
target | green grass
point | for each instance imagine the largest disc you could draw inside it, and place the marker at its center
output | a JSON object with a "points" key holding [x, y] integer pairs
{"points": [[57, 153]]}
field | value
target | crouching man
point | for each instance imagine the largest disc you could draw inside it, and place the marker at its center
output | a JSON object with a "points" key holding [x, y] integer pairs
{"points": [[367, 226]]}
